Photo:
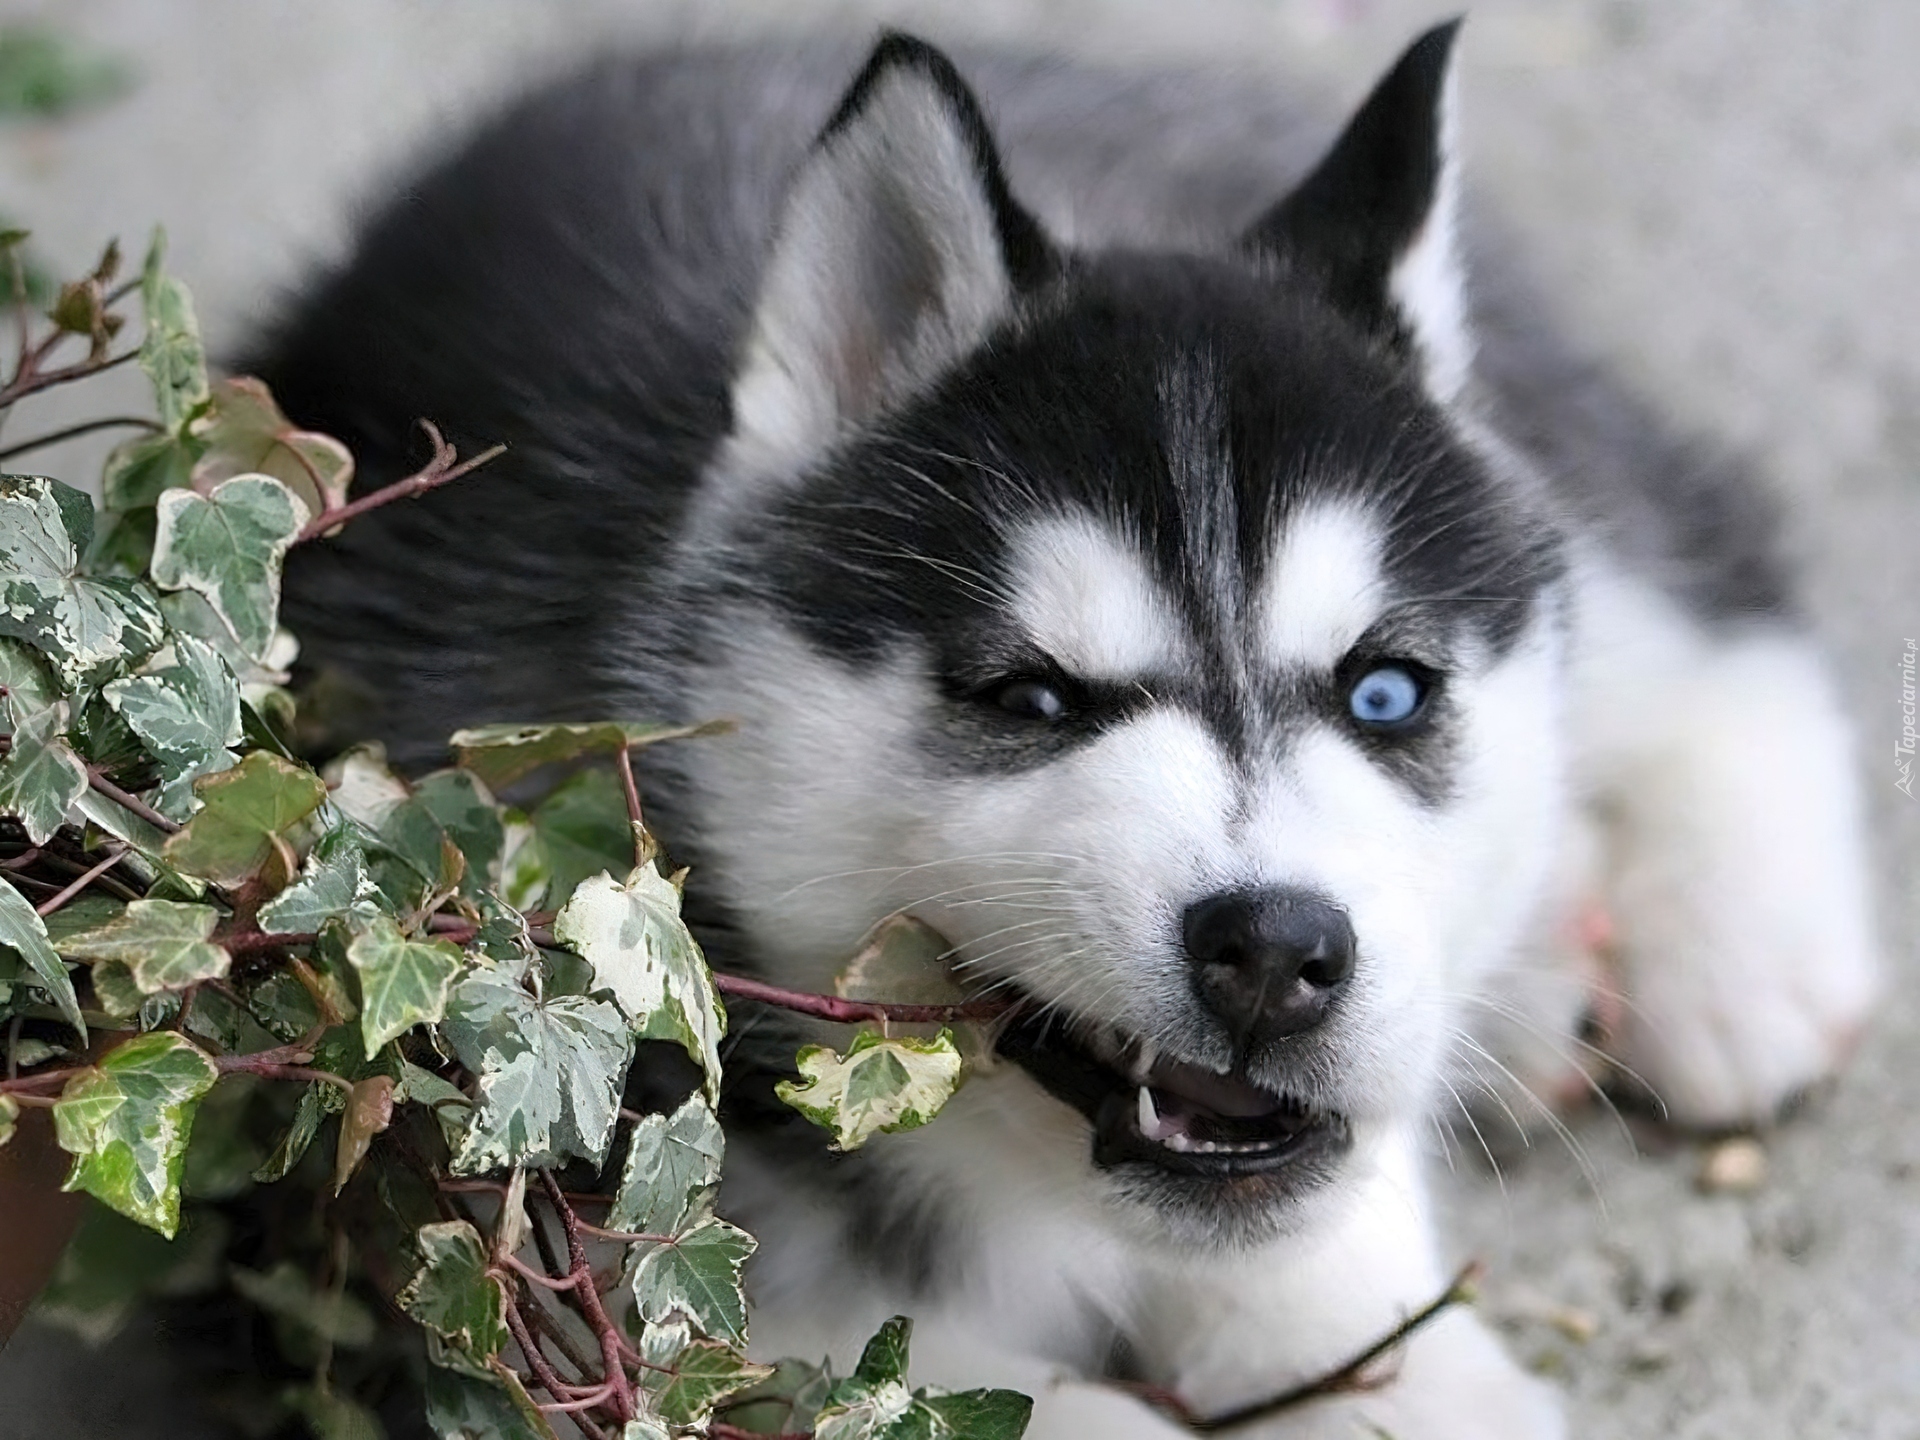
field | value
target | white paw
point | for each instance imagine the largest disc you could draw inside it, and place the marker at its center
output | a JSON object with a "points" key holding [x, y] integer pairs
{"points": [[1738, 892]]}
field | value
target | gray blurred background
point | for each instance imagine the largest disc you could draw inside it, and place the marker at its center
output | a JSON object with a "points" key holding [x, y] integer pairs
{"points": [[1725, 197]]}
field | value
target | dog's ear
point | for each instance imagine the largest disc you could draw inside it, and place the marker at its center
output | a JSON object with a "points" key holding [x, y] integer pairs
{"points": [[899, 248], [1373, 224]]}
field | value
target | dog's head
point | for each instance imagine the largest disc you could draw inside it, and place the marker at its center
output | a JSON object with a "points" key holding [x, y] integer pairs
{"points": [[1148, 624]]}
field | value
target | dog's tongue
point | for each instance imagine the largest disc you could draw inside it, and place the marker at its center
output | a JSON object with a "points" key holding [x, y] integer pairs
{"points": [[1202, 1089]]}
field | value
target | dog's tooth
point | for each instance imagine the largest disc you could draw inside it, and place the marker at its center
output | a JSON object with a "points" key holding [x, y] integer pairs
{"points": [[1179, 1140], [1149, 1116]]}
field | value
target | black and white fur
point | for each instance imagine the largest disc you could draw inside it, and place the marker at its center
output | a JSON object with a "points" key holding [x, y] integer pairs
{"points": [[838, 417]]}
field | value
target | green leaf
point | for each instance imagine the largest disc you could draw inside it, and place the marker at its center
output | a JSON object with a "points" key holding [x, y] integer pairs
{"points": [[188, 716], [449, 1103], [245, 433], [333, 884], [163, 943], [171, 352], [44, 72], [333, 1416], [41, 776], [227, 546], [247, 809], [138, 472], [449, 807], [330, 1316], [885, 1356], [878, 1085], [114, 1263], [25, 933], [672, 1172], [127, 1121], [87, 627], [785, 1402], [642, 952], [403, 982], [29, 685], [308, 1112], [501, 754], [697, 1273], [452, 1294], [464, 1407], [9, 1117], [703, 1374], [582, 829], [550, 1074], [874, 1403]]}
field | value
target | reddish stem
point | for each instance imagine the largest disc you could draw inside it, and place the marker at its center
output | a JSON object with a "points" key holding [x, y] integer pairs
{"points": [[436, 472], [853, 1012], [589, 1299], [54, 902]]}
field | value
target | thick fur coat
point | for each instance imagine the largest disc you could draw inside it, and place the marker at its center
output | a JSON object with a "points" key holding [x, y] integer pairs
{"points": [[1157, 543]]}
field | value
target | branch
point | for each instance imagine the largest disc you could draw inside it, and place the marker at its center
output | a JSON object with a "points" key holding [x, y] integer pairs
{"points": [[854, 1012], [73, 432], [100, 784], [443, 467], [48, 906], [35, 380], [1344, 1378]]}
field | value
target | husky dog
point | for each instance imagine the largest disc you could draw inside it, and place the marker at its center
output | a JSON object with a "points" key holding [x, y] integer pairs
{"points": [[1143, 558]]}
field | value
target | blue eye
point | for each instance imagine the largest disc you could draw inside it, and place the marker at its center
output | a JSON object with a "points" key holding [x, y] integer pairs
{"points": [[1386, 696]]}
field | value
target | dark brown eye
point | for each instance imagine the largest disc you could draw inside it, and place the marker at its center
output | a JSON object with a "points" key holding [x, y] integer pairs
{"points": [[1030, 700]]}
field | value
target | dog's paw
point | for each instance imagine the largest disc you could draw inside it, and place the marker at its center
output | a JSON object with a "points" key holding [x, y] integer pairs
{"points": [[1739, 895]]}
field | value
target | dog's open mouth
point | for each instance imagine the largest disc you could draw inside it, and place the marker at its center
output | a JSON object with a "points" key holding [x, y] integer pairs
{"points": [[1181, 1117]]}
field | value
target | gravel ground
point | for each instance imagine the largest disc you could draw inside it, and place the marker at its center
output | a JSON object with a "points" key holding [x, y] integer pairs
{"points": [[1727, 195]]}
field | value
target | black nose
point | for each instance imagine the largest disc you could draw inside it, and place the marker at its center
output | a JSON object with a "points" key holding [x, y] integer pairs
{"points": [[1268, 962]]}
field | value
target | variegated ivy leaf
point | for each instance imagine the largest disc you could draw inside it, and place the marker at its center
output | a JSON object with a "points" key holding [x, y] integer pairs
{"points": [[874, 1403], [29, 685], [645, 1427], [403, 983], [672, 1171], [641, 950], [288, 1292], [333, 884], [25, 933], [501, 754], [362, 786], [699, 1377], [246, 810], [162, 943], [188, 716], [9, 1117], [452, 1294], [40, 776], [227, 546], [550, 1073], [87, 627], [879, 1085], [579, 830], [244, 432], [171, 352], [126, 1122], [698, 1274]]}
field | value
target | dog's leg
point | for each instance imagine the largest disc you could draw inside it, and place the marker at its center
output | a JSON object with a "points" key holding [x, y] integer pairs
{"points": [[1736, 879], [1238, 1329]]}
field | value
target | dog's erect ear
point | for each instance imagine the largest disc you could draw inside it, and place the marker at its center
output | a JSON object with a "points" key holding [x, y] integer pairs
{"points": [[1374, 222], [899, 248]]}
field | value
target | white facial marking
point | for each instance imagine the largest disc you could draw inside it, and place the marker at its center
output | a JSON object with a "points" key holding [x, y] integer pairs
{"points": [[1324, 587], [1085, 598]]}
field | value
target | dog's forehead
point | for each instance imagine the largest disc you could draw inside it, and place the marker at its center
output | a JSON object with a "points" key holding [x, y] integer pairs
{"points": [[1086, 593]]}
